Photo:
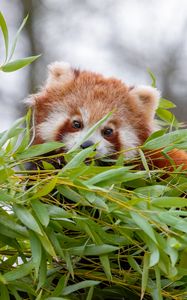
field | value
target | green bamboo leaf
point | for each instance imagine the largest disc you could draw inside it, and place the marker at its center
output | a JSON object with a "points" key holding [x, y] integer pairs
{"points": [[144, 225], [27, 218], [14, 234], [39, 297], [111, 180], [24, 141], [166, 116], [166, 140], [22, 285], [8, 222], [16, 37], [41, 211], [79, 158], [47, 244], [45, 190], [153, 78], [15, 293], [144, 162], [69, 193], [23, 144], [154, 251], [69, 263], [12, 132], [145, 274], [19, 272], [106, 266], [172, 249], [90, 293], [4, 30], [60, 286], [56, 243], [177, 223], [164, 103], [9, 241], [77, 286], [37, 150], [154, 256], [36, 250], [5, 173], [11, 145], [109, 174], [4, 294], [169, 201], [90, 250], [134, 264], [176, 191], [156, 134], [47, 166], [95, 200], [158, 291], [58, 212], [156, 190], [42, 271], [18, 64], [182, 145]]}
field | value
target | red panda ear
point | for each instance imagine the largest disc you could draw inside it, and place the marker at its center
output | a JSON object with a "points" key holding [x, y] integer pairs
{"points": [[31, 100], [147, 99], [59, 73]]}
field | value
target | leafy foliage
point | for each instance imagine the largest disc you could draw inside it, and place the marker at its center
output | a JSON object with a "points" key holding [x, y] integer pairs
{"points": [[86, 231], [8, 65]]}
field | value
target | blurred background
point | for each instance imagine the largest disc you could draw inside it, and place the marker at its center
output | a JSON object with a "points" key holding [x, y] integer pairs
{"points": [[121, 38]]}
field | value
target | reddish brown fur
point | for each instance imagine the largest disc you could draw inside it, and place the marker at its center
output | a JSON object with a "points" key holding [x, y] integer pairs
{"points": [[178, 158], [65, 128], [100, 96], [115, 140]]}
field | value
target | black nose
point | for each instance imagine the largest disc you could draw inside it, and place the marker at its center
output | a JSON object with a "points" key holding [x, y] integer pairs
{"points": [[87, 144]]}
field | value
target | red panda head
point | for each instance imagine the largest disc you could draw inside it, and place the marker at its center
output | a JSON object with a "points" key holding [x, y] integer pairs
{"points": [[72, 101]]}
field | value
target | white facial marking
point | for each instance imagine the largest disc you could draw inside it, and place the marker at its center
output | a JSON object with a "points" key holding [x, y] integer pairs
{"points": [[50, 126], [129, 140], [85, 116], [47, 129], [103, 147]]}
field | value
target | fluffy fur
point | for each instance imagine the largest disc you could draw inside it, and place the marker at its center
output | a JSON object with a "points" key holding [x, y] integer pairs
{"points": [[70, 96]]}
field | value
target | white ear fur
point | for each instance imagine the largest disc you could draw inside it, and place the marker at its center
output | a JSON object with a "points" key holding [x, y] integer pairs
{"points": [[59, 73], [148, 98], [148, 95], [30, 100]]}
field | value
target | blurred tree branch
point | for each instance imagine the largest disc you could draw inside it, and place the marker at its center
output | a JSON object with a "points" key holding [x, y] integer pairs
{"points": [[31, 7]]}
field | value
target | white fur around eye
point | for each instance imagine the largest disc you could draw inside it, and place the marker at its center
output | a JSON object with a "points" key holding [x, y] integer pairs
{"points": [[47, 129]]}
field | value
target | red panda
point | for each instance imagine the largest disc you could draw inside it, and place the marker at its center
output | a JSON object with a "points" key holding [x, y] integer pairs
{"points": [[72, 101]]}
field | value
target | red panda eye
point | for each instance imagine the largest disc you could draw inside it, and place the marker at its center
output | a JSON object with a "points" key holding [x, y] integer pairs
{"points": [[107, 132], [76, 124]]}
